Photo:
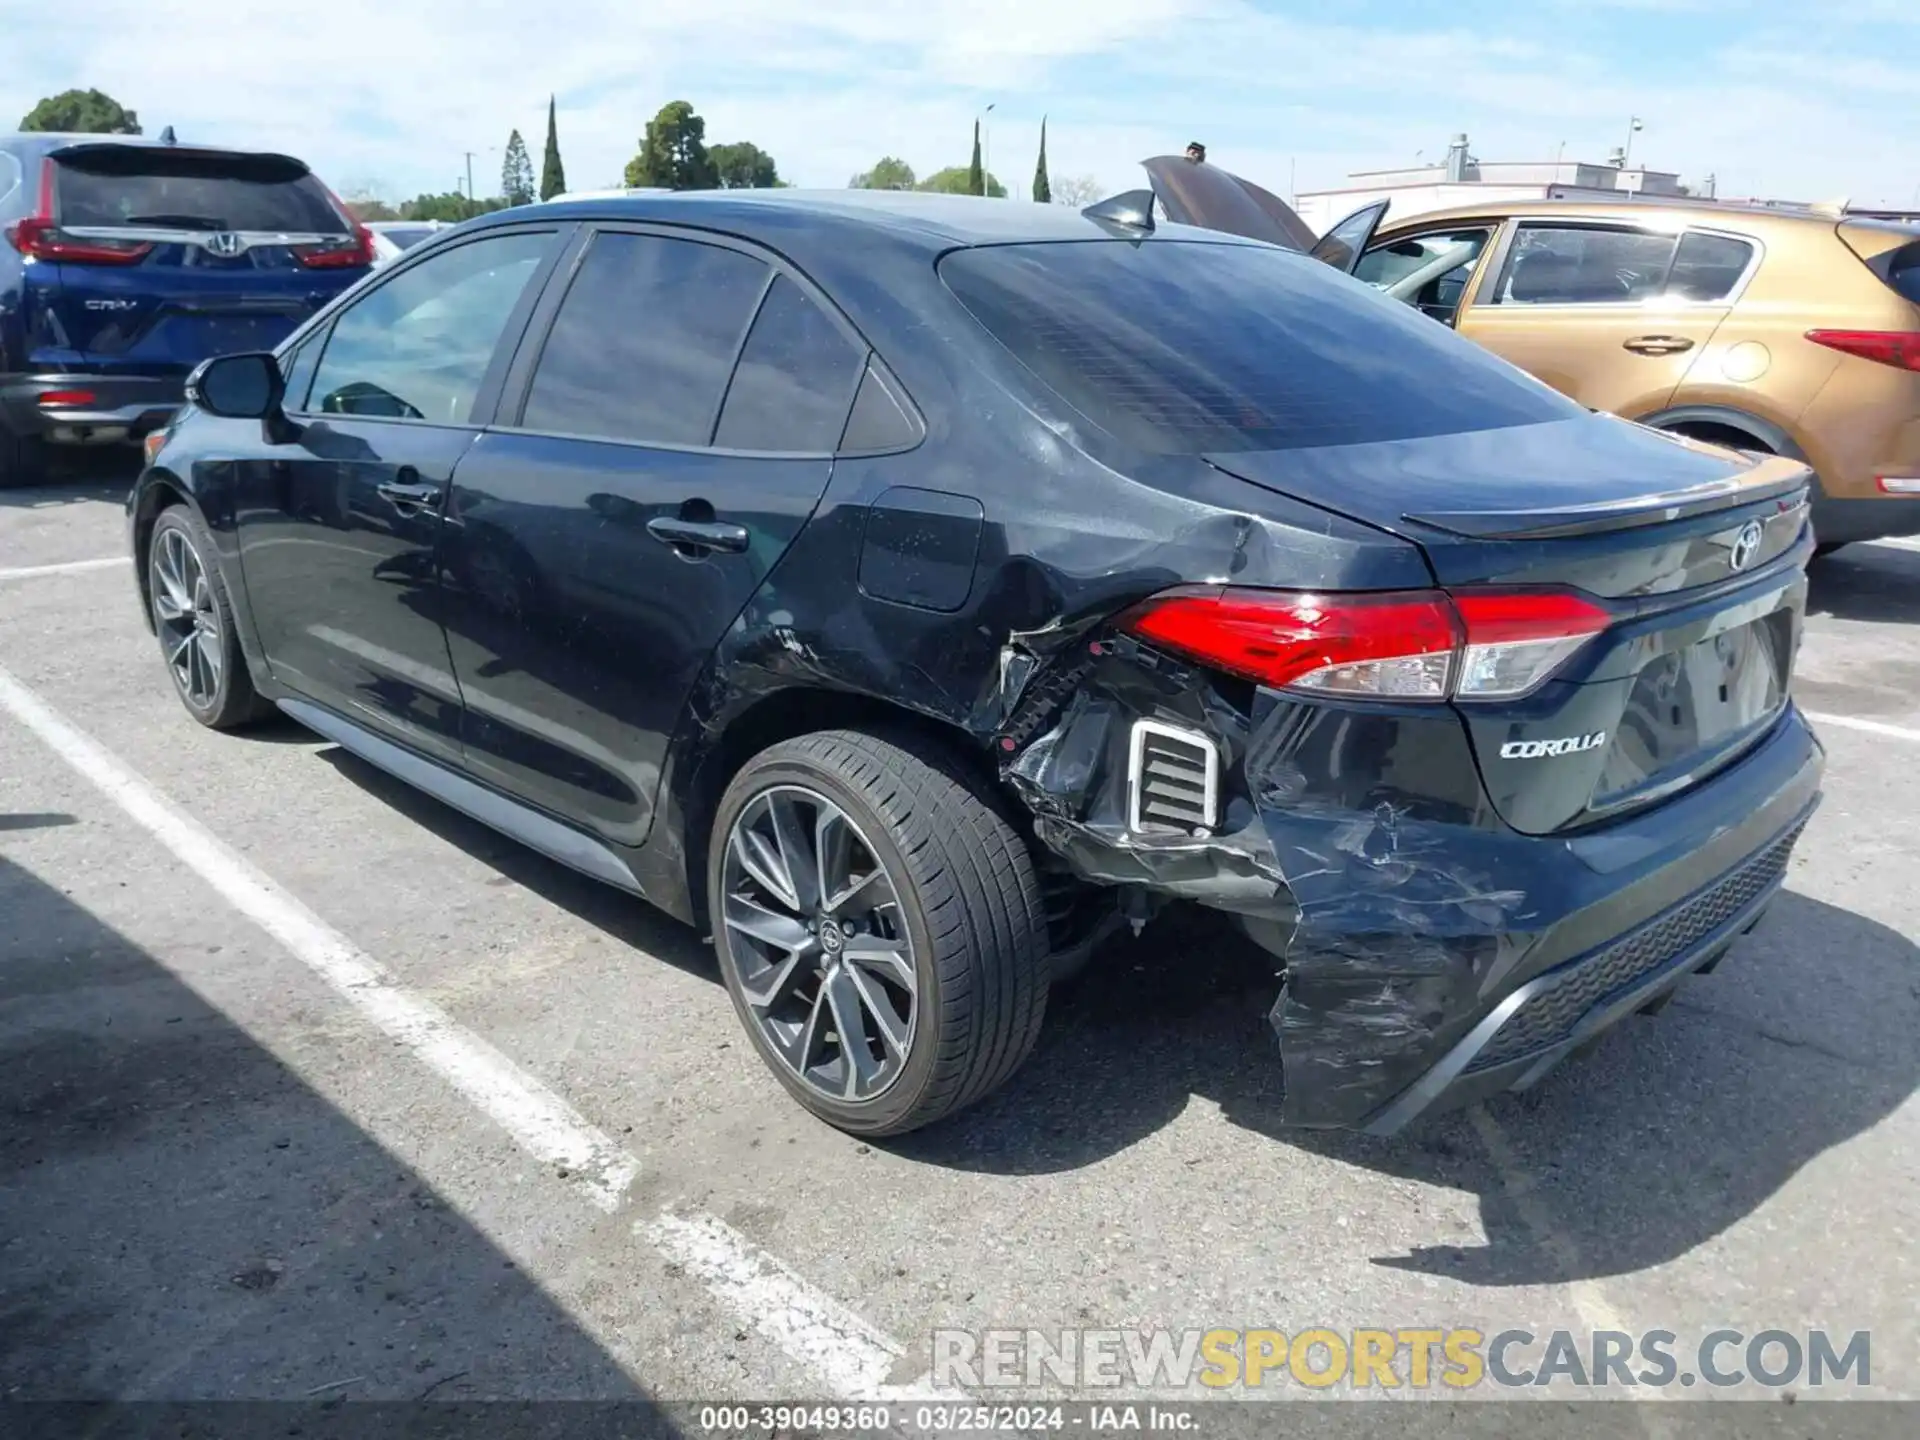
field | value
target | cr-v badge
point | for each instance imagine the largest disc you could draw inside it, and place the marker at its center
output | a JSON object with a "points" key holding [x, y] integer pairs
{"points": [[1565, 745]]}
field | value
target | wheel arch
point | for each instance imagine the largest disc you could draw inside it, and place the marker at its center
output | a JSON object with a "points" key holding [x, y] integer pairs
{"points": [[1694, 419], [157, 491], [794, 710]]}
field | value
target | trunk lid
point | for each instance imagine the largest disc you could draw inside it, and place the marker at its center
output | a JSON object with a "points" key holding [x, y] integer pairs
{"points": [[1693, 550], [156, 257]]}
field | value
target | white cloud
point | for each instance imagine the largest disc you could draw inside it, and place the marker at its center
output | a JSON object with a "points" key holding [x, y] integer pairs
{"points": [[396, 92]]}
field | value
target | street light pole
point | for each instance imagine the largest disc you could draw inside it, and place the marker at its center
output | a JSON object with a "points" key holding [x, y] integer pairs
{"points": [[1626, 155], [469, 177], [986, 152]]}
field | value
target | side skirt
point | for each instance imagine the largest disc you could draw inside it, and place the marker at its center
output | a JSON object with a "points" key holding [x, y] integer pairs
{"points": [[532, 828]]}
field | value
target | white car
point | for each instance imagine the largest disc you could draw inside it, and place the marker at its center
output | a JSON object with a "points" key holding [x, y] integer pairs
{"points": [[392, 238], [616, 193]]}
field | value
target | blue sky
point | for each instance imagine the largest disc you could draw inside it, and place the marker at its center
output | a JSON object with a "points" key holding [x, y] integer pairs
{"points": [[385, 96]]}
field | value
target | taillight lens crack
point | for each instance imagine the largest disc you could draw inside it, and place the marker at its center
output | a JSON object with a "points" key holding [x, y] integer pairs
{"points": [[1418, 646]]}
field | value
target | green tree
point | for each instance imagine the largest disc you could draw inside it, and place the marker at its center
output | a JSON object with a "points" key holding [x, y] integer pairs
{"points": [[976, 176], [742, 165], [888, 173], [368, 210], [1042, 187], [451, 207], [516, 172], [958, 180], [553, 175], [87, 112], [673, 153]]}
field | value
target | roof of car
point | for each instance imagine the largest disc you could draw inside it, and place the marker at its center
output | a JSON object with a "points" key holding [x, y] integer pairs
{"points": [[38, 142], [1683, 210], [912, 217]]}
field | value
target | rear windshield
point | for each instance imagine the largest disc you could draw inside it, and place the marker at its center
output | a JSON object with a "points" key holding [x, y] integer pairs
{"points": [[192, 194], [1187, 347], [406, 237]]}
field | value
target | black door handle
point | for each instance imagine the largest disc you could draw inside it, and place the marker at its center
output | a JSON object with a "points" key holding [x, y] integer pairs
{"points": [[408, 494], [698, 534]]}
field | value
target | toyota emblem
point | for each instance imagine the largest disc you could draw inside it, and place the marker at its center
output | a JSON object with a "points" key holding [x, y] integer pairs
{"points": [[226, 245], [1746, 545]]}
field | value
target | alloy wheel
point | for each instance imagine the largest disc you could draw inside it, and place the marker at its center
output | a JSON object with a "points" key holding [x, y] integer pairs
{"points": [[187, 618], [819, 943]]}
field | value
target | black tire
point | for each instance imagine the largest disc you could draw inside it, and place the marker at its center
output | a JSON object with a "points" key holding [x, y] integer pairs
{"points": [[230, 700], [1820, 552], [969, 899], [23, 460]]}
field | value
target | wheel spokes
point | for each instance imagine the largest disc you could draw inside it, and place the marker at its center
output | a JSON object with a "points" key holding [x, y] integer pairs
{"points": [[798, 1046], [874, 999], [797, 856], [818, 953], [208, 647], [784, 931], [763, 863], [885, 957], [859, 1070]]}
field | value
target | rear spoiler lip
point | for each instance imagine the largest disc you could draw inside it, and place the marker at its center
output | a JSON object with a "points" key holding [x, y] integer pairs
{"points": [[1635, 511], [290, 168]]}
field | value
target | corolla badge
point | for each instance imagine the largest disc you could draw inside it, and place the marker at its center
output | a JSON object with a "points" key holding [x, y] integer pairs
{"points": [[1746, 545], [1565, 745]]}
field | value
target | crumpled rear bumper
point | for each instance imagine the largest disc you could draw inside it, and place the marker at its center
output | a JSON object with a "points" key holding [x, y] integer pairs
{"points": [[1431, 954]]}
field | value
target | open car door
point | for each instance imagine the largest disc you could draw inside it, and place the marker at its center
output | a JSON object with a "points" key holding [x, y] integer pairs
{"points": [[1344, 244]]}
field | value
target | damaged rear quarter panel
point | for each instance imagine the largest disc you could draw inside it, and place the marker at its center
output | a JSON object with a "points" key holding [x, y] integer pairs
{"points": [[1341, 829]]}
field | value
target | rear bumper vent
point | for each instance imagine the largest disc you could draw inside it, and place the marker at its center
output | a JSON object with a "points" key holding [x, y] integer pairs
{"points": [[1173, 781]]}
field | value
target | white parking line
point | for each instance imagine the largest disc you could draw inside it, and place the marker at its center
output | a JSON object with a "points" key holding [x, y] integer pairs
{"points": [[842, 1351], [1870, 727], [545, 1126], [66, 567], [807, 1325]]}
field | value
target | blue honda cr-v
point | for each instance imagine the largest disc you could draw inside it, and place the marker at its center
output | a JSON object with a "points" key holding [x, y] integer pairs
{"points": [[126, 262]]}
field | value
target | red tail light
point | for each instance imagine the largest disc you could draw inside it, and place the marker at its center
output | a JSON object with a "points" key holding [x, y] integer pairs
{"points": [[350, 250], [66, 397], [1898, 348], [1410, 645], [38, 238]]}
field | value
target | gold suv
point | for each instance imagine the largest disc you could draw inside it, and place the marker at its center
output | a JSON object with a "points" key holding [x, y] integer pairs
{"points": [[1787, 331]]}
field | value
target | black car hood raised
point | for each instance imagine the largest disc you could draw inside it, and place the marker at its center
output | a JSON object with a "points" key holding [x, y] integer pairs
{"points": [[1216, 199]]}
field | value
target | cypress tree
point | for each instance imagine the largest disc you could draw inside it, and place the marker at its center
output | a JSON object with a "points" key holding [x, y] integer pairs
{"points": [[553, 175], [1042, 187]]}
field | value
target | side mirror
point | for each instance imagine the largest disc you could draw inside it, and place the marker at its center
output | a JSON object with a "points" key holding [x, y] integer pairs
{"points": [[238, 387]]}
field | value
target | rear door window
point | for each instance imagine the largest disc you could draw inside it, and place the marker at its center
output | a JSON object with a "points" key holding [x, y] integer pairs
{"points": [[1708, 267], [1185, 347], [1584, 265], [645, 340], [794, 384], [419, 347], [146, 186]]}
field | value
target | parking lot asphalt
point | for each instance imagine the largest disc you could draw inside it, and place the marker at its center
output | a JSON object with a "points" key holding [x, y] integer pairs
{"points": [[314, 1087]]}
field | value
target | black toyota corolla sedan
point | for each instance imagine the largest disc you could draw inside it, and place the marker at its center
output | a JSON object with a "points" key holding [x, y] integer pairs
{"points": [[910, 589]]}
